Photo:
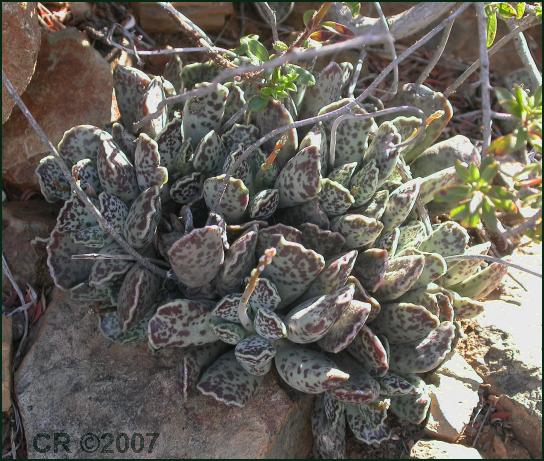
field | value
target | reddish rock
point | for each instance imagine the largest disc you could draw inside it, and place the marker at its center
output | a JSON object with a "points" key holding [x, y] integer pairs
{"points": [[21, 223], [74, 379], [20, 45], [72, 85]]}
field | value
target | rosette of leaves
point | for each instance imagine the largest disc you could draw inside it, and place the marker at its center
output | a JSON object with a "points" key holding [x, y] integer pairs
{"points": [[353, 297]]}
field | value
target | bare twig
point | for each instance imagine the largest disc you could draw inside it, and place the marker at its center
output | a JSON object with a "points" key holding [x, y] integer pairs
{"points": [[104, 224], [271, 19], [526, 225], [492, 259], [524, 54], [485, 87], [524, 24], [439, 51], [391, 46], [356, 72]]}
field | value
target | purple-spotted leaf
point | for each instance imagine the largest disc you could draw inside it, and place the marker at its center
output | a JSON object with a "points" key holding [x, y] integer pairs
{"points": [[466, 308], [342, 175], [383, 152], [432, 184], [370, 267], [264, 204], [324, 242], [317, 137], [235, 199], [311, 320], [202, 114], [423, 355], [293, 269], [361, 388], [147, 163], [327, 89], [362, 295], [227, 308], [270, 236], [404, 322], [435, 267], [209, 154], [227, 382], [255, 354], [66, 272], [329, 428], [150, 103], [269, 325], [53, 184], [114, 210], [358, 230], [124, 139], [344, 331], [333, 276], [411, 235], [196, 359], [300, 180], [117, 174], [187, 189], [80, 142], [368, 349], [274, 116], [459, 271], [423, 298], [308, 212], [364, 183], [448, 239], [265, 296], [230, 333], [400, 204], [393, 385], [240, 136], [482, 283], [413, 407], [86, 174], [239, 260], [389, 241], [401, 275], [197, 256], [334, 198], [376, 207], [109, 270], [235, 100], [182, 323], [136, 296], [143, 217], [367, 422], [130, 85], [172, 149], [307, 370]]}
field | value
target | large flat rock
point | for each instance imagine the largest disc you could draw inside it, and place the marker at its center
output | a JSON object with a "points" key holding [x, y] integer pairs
{"points": [[73, 380]]}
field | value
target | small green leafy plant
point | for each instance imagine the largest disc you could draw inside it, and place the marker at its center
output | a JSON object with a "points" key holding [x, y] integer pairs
{"points": [[477, 200], [527, 112], [506, 11]]}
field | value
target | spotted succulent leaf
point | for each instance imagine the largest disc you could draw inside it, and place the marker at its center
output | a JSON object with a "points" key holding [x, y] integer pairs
{"points": [[364, 183], [329, 428], [105, 271], [235, 199], [240, 136], [367, 422], [130, 86], [209, 154], [182, 323], [255, 354], [326, 90], [143, 217], [334, 198], [360, 388], [358, 230], [400, 204], [230, 333], [394, 385], [459, 271], [147, 163], [370, 267], [342, 174], [412, 408], [265, 296], [411, 235], [85, 172], [264, 204], [308, 212], [401, 275], [53, 184], [376, 207], [269, 325], [333, 276], [479, 285], [324, 242], [187, 189], [369, 350], [435, 267], [197, 256], [448, 239]]}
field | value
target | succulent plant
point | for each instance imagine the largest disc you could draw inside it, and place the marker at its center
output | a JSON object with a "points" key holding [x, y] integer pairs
{"points": [[318, 267]]}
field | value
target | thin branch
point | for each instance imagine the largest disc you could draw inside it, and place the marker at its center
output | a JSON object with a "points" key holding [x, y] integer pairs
{"points": [[524, 24], [524, 226], [356, 72], [195, 34], [526, 57], [104, 224], [437, 55], [492, 259], [391, 46], [485, 86], [270, 13], [117, 257]]}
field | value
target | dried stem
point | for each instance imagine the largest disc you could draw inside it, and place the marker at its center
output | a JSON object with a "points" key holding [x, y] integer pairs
{"points": [[104, 224], [524, 226], [437, 55], [524, 54], [485, 86], [271, 19], [356, 72], [524, 24], [492, 259], [391, 46]]}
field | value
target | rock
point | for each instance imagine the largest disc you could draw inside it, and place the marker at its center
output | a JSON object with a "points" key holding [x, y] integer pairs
{"points": [[72, 85], [74, 380], [452, 403], [435, 449], [510, 359], [20, 45], [457, 367], [21, 223]]}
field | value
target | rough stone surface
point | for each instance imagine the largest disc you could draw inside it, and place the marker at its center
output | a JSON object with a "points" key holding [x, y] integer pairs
{"points": [[510, 360], [72, 85], [435, 449], [21, 223], [454, 395], [20, 45], [457, 367], [73, 380]]}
